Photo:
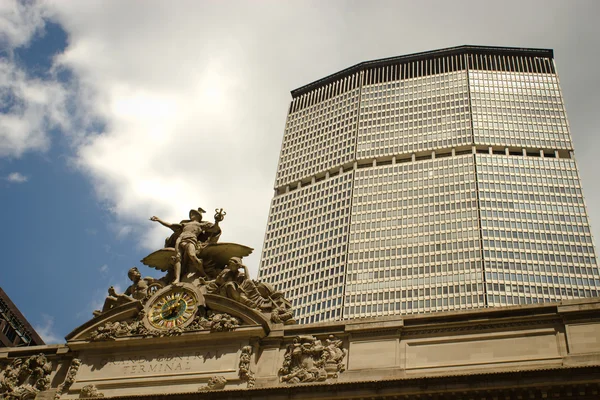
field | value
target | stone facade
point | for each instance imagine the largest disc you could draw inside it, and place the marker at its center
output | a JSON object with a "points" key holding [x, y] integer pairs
{"points": [[538, 351]]}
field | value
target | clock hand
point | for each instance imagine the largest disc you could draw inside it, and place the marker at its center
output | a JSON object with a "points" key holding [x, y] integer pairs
{"points": [[172, 309]]}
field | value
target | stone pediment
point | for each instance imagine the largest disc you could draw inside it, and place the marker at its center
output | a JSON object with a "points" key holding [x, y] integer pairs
{"points": [[124, 312]]}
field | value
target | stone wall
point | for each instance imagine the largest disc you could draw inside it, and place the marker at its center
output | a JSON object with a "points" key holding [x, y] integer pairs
{"points": [[443, 354]]}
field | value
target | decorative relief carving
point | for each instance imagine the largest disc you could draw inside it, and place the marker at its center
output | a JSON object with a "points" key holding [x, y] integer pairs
{"points": [[214, 383], [25, 377], [307, 360], [334, 360], [90, 392], [244, 367], [69, 379], [283, 315], [112, 330], [214, 322]]}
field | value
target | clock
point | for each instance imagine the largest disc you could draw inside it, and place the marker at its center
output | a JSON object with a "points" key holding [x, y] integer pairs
{"points": [[173, 307]]}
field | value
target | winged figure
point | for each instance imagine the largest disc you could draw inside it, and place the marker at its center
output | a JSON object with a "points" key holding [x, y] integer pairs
{"points": [[213, 257]]}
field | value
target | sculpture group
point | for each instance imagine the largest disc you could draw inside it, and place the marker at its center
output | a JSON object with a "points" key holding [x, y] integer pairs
{"points": [[193, 257], [24, 378], [308, 360], [206, 292]]}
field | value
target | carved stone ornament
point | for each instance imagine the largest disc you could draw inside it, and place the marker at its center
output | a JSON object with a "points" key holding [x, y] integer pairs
{"points": [[214, 383], [25, 377], [207, 320], [69, 379], [196, 265], [307, 360], [90, 392], [244, 367]]}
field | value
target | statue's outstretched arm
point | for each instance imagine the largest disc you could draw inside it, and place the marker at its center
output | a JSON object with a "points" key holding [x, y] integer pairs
{"points": [[163, 223]]}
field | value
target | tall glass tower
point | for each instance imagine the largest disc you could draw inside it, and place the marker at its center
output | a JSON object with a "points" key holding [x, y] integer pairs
{"points": [[434, 181]]}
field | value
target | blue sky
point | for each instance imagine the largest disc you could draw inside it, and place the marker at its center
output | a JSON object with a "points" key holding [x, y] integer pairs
{"points": [[114, 111], [62, 238]]}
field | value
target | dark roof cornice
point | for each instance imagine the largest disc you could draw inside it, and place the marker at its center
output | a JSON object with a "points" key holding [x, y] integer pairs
{"points": [[426, 55]]}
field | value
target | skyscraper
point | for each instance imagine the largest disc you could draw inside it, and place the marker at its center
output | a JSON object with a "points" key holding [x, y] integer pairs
{"points": [[434, 181]]}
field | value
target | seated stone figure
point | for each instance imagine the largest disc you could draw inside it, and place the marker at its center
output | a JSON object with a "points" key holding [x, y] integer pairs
{"points": [[138, 290], [229, 283]]}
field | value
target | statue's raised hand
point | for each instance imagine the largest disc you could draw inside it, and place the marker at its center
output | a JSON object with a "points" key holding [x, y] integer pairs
{"points": [[219, 215], [153, 218]]}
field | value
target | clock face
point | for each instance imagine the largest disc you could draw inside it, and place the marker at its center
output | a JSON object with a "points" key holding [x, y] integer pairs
{"points": [[172, 309]]}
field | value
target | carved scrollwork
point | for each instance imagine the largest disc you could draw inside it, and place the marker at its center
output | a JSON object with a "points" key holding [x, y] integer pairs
{"points": [[307, 360]]}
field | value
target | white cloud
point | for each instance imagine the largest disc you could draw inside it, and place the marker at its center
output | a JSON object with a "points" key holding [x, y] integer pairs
{"points": [[192, 97], [17, 177], [19, 22], [103, 269], [32, 107], [184, 126], [46, 330]]}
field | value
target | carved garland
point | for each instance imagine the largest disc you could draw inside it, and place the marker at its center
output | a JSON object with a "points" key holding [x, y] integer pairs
{"points": [[245, 373], [69, 379], [214, 322]]}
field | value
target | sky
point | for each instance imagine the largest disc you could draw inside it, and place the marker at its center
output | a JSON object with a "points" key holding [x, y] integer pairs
{"points": [[113, 111]]}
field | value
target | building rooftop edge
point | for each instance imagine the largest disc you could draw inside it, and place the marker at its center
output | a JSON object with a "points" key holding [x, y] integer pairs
{"points": [[17, 313], [421, 56]]}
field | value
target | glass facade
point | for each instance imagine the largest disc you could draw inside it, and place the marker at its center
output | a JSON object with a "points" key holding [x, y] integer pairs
{"points": [[431, 182], [518, 109], [412, 115], [414, 239], [536, 236], [319, 137], [305, 248]]}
